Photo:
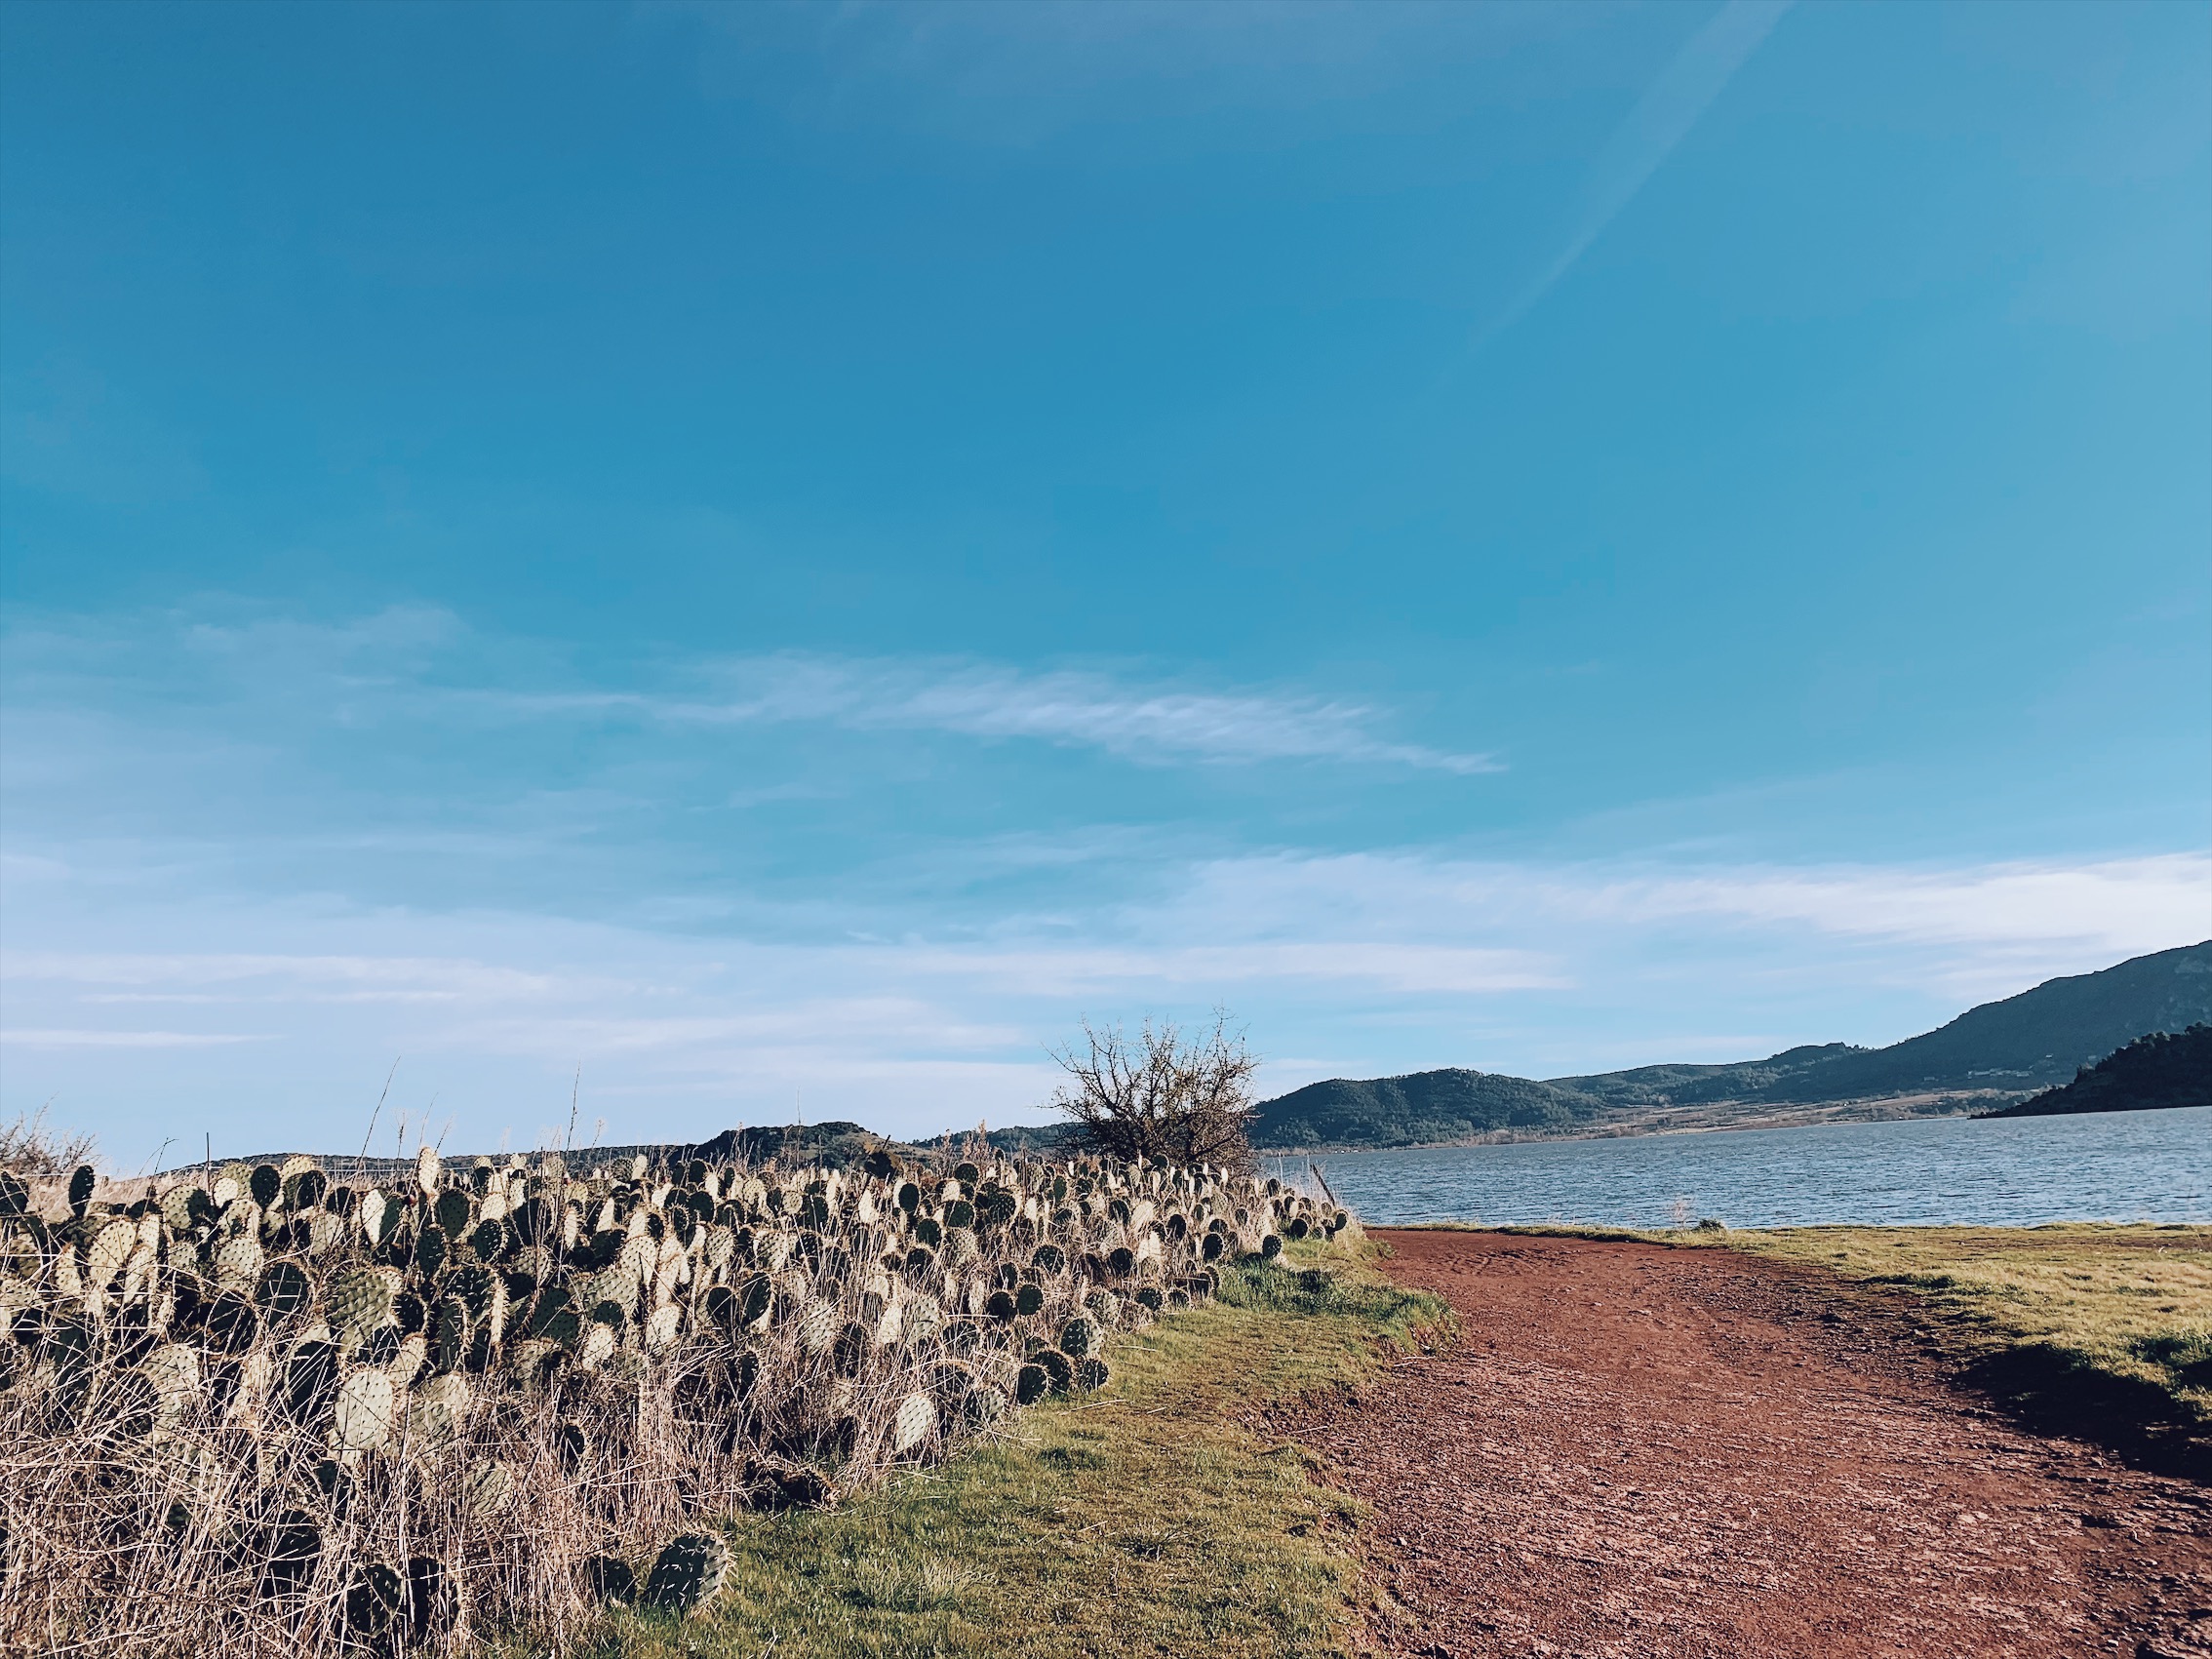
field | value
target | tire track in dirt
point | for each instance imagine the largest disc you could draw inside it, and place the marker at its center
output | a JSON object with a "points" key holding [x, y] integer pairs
{"points": [[1637, 1452]]}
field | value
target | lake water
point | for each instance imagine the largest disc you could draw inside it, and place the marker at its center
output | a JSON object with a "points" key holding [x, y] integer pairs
{"points": [[2102, 1166]]}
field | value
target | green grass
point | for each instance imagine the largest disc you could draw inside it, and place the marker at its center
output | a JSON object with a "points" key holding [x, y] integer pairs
{"points": [[1157, 1517]]}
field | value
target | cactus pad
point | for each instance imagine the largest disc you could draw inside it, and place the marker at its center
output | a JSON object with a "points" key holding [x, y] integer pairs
{"points": [[1058, 1365], [608, 1579], [488, 1488], [367, 1412], [454, 1211], [687, 1574], [282, 1288], [915, 1422], [360, 1301]]}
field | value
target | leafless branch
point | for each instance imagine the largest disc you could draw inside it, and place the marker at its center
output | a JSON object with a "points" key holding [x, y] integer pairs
{"points": [[1161, 1097]]}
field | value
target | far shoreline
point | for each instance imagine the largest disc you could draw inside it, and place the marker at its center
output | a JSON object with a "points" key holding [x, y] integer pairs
{"points": [[1656, 1132]]}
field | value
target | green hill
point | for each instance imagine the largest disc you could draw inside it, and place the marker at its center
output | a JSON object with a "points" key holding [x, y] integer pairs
{"points": [[2159, 1070], [1687, 1084], [1423, 1109], [2035, 1040]]}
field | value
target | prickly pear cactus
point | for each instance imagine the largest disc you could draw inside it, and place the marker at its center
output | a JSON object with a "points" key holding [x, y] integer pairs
{"points": [[488, 1488], [915, 1422], [831, 1322], [367, 1412], [358, 1302], [687, 1574]]}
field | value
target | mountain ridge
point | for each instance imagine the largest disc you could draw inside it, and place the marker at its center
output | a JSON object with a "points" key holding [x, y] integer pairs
{"points": [[1988, 1056]]}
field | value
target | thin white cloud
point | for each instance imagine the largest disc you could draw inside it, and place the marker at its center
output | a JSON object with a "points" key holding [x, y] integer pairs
{"points": [[1661, 119], [415, 663], [2120, 905], [1372, 965], [1020, 74], [64, 1039], [1073, 709], [1076, 709], [412, 976], [2112, 904]]}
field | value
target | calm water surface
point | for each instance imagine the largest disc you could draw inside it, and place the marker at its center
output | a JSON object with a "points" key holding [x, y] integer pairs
{"points": [[2105, 1166]]}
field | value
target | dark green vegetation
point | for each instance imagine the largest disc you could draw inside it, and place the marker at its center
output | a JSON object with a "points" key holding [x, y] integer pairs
{"points": [[832, 1145], [2031, 1040], [1425, 1108], [1034, 1140], [1155, 1517], [2165, 1069]]}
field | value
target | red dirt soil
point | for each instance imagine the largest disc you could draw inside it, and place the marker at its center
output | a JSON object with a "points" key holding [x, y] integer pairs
{"points": [[1635, 1452]]}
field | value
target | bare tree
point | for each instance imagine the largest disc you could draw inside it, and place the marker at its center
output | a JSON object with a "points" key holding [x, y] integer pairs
{"points": [[1161, 1097]]}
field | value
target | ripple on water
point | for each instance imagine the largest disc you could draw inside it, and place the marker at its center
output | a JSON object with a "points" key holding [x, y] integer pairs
{"points": [[2016, 1172]]}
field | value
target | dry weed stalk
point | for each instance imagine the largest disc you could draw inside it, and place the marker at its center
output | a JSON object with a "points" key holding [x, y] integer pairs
{"points": [[284, 1416], [32, 1149]]}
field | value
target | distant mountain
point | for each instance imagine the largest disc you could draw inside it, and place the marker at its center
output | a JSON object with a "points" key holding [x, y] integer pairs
{"points": [[1033, 1140], [1420, 1109], [2031, 1040], [834, 1145], [1775, 1076], [2158, 1070]]}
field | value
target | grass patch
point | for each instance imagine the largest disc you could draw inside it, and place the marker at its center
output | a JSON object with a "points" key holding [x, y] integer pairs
{"points": [[1155, 1516]]}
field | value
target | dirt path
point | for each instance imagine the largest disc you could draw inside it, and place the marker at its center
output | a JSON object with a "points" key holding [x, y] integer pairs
{"points": [[1643, 1453]]}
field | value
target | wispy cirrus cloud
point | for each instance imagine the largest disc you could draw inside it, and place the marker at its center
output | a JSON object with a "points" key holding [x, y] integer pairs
{"points": [[40, 1038], [1152, 723], [1660, 120], [416, 662]]}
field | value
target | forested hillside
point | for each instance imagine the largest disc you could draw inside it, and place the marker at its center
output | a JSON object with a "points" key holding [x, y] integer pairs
{"points": [[2163, 1069]]}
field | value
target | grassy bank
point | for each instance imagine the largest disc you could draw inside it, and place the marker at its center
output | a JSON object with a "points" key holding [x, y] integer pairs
{"points": [[1157, 1515]]}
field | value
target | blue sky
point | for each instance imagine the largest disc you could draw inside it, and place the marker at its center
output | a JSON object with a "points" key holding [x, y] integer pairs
{"points": [[774, 557]]}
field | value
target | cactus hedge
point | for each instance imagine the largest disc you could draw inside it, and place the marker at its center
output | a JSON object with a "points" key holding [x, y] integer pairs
{"points": [[274, 1409]]}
